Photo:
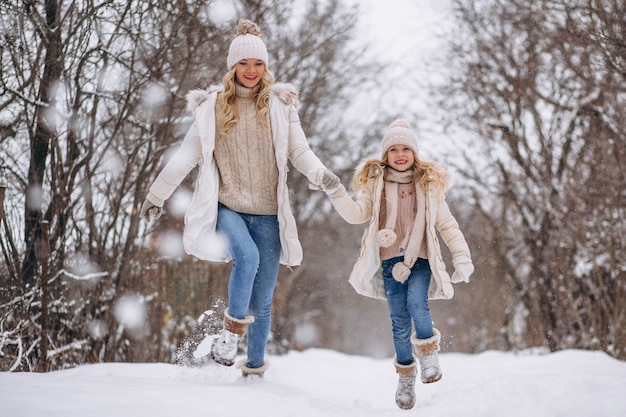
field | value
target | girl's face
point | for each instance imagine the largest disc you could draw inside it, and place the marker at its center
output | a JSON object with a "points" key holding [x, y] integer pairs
{"points": [[248, 72], [400, 157]]}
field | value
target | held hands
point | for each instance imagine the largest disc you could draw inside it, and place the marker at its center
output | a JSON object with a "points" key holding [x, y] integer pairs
{"points": [[330, 182], [323, 179], [463, 268], [150, 211]]}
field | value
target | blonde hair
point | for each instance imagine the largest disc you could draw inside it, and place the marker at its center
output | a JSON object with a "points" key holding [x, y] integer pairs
{"points": [[227, 111], [429, 175]]}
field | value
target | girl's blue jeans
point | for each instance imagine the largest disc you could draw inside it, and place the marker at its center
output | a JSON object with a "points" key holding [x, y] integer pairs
{"points": [[408, 306], [254, 245]]}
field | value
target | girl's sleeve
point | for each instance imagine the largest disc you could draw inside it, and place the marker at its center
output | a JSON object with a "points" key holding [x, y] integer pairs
{"points": [[354, 212], [450, 232]]}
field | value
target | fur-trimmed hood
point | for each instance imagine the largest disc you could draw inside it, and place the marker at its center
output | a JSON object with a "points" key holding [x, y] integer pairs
{"points": [[374, 168], [285, 91]]}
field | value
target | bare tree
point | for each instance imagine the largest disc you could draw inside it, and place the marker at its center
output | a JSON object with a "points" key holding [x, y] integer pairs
{"points": [[96, 121], [538, 85], [92, 103]]}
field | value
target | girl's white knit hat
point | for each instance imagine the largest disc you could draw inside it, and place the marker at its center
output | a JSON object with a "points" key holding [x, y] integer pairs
{"points": [[247, 44], [399, 133]]}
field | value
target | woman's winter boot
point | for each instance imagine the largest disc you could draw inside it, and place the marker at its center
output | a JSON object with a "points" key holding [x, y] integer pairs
{"points": [[224, 348], [252, 372], [405, 393], [426, 351]]}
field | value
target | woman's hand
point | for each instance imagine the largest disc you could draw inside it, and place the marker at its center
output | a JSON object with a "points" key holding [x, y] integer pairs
{"points": [[150, 211], [323, 179]]}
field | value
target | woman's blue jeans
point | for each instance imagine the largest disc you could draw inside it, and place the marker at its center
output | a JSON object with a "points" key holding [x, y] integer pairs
{"points": [[254, 245], [408, 306]]}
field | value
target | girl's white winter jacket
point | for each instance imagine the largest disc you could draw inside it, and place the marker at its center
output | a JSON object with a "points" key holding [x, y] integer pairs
{"points": [[364, 276], [290, 144]]}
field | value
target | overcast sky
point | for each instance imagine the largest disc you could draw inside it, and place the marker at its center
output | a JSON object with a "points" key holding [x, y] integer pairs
{"points": [[407, 34], [396, 27]]}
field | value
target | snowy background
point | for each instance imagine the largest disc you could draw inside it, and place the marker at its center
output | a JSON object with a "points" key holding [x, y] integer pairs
{"points": [[324, 383], [319, 382]]}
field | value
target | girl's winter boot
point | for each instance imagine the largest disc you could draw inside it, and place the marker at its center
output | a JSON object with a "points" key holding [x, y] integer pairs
{"points": [[426, 351], [405, 393], [224, 348]]}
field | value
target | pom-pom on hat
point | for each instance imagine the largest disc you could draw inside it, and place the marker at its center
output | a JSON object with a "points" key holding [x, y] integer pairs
{"points": [[399, 133], [247, 44]]}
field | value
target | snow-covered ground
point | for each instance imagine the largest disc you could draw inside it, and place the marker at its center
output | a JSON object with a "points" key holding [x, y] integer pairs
{"points": [[317, 383]]}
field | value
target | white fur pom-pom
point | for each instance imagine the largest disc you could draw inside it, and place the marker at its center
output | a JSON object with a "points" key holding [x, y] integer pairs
{"points": [[400, 272], [400, 123], [245, 26], [386, 237]]}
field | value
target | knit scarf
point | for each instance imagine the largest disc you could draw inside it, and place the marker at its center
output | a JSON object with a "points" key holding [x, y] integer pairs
{"points": [[387, 236]]}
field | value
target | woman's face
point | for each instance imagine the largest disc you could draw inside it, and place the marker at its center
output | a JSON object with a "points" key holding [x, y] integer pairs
{"points": [[400, 157], [248, 72]]}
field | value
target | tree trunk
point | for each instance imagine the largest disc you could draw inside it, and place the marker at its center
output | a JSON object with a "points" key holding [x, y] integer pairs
{"points": [[44, 131]]}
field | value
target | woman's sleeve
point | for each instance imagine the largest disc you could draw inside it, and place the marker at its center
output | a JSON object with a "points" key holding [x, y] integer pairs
{"points": [[178, 167], [305, 161], [300, 153]]}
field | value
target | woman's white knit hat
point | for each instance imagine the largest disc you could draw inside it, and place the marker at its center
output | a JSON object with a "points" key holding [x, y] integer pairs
{"points": [[247, 44], [399, 133]]}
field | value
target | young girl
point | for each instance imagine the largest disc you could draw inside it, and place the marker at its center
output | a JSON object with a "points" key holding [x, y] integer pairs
{"points": [[403, 198], [243, 135]]}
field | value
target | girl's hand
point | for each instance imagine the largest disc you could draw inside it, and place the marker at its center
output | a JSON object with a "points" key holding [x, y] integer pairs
{"points": [[323, 179], [463, 268]]}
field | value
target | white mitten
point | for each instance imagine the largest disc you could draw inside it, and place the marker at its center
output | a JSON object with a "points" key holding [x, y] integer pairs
{"points": [[400, 272], [324, 180], [330, 181], [463, 268], [150, 210]]}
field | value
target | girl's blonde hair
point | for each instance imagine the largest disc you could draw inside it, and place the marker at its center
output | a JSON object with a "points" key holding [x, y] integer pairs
{"points": [[227, 114], [429, 175]]}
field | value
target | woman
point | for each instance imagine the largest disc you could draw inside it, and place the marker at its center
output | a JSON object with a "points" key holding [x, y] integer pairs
{"points": [[242, 138]]}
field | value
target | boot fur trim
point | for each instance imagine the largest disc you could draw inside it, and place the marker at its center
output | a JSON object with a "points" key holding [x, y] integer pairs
{"points": [[246, 372], [425, 347], [237, 326], [406, 370]]}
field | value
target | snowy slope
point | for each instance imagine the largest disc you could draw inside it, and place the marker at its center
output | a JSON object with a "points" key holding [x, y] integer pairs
{"points": [[317, 383]]}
